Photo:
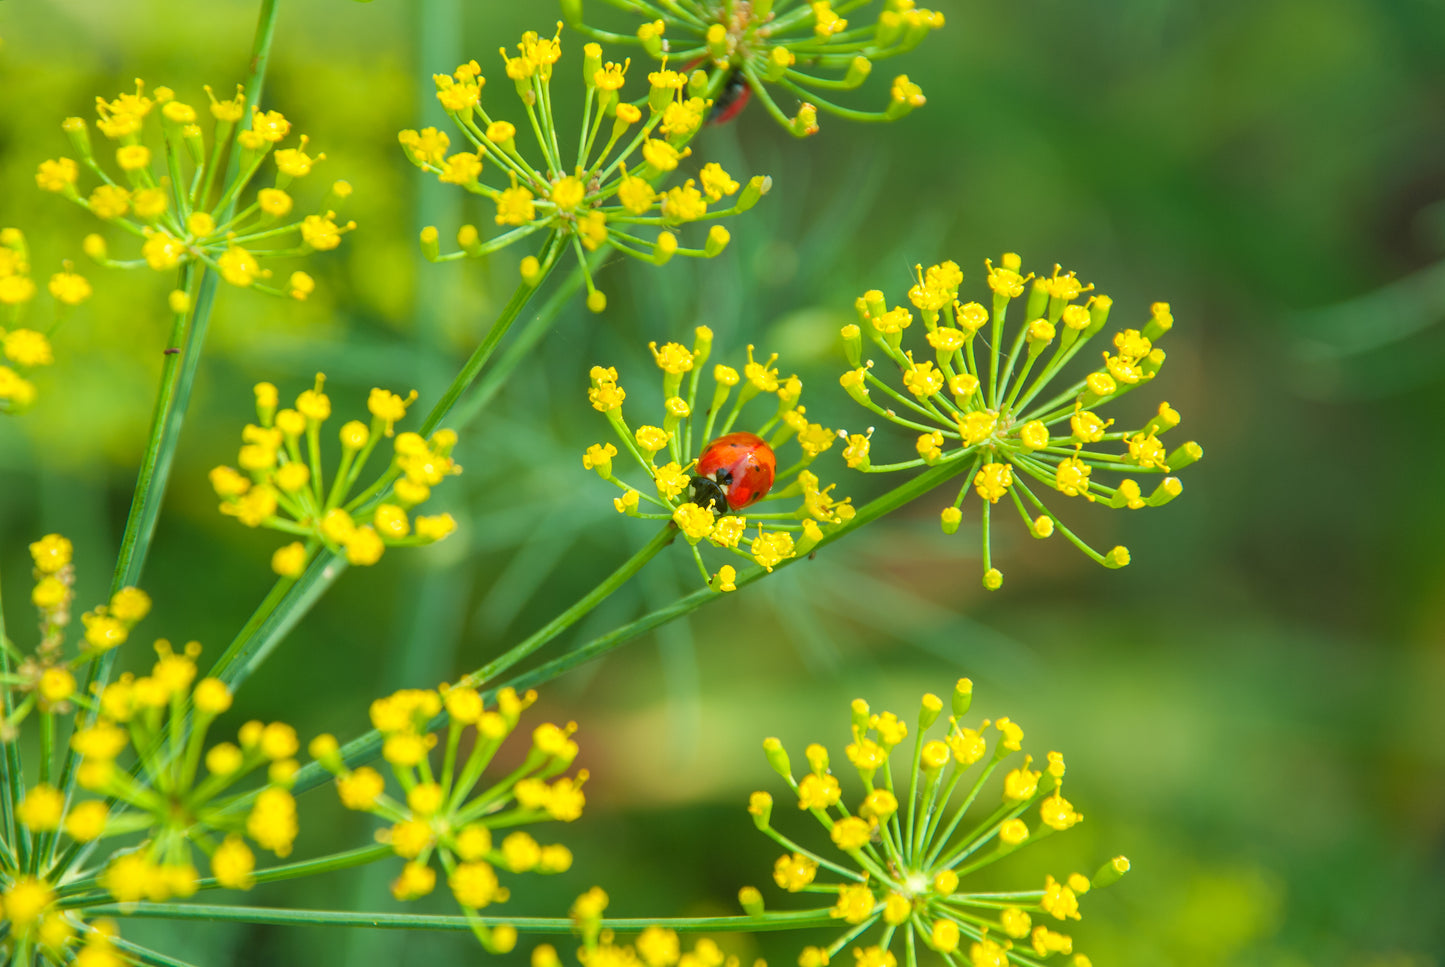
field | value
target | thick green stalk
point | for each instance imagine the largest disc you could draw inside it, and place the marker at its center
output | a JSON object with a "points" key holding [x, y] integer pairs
{"points": [[789, 920]]}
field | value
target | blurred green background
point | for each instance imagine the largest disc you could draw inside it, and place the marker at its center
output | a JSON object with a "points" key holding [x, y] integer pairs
{"points": [[1251, 712]]}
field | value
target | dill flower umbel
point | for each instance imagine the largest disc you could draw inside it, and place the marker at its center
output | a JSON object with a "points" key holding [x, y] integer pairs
{"points": [[976, 409], [23, 350], [179, 204], [654, 946], [901, 857], [282, 484], [712, 499], [803, 50], [445, 815], [178, 795], [595, 200], [45, 679]]}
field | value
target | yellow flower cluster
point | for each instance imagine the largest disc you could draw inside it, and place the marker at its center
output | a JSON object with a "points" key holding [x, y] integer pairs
{"points": [[596, 200], [444, 815], [654, 946], [799, 51], [165, 717], [29, 908], [45, 679], [22, 349], [178, 202], [902, 855], [994, 413], [282, 485], [765, 536]]}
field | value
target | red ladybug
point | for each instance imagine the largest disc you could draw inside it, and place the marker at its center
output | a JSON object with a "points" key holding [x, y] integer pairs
{"points": [[733, 472], [734, 97], [735, 94]]}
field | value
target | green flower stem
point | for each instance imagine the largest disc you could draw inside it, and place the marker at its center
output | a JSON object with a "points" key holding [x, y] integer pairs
{"points": [[177, 377], [787, 920], [268, 623], [572, 615], [11, 768], [368, 746], [488, 345], [526, 341], [82, 893], [870, 511], [145, 955], [288, 601]]}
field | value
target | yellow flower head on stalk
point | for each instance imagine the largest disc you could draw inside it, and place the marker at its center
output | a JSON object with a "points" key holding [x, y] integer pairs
{"points": [[181, 791], [173, 193], [798, 54], [655, 946], [741, 485], [1011, 410], [450, 822], [24, 349], [900, 858], [46, 679], [283, 485], [607, 191]]}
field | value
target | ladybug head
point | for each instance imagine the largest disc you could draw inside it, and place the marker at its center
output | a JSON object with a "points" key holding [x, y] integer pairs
{"points": [[706, 493]]}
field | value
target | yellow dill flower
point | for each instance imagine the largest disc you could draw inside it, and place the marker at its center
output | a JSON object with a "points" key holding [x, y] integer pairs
{"points": [[806, 54], [24, 349], [722, 486], [283, 486], [905, 852], [179, 806], [654, 946], [1011, 418], [449, 821], [230, 225], [589, 197]]}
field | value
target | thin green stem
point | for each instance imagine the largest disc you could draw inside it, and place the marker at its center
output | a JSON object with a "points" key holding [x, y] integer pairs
{"points": [[488, 345], [789, 920]]}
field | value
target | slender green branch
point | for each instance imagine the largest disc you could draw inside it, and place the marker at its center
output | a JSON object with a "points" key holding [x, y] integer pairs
{"points": [[789, 920], [870, 511], [367, 746], [488, 345], [81, 892]]}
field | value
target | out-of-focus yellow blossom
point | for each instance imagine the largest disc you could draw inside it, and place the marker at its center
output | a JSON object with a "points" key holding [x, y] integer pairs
{"points": [[697, 503], [904, 854], [24, 349], [230, 225], [802, 55], [591, 199], [282, 485], [655, 946], [469, 830], [1000, 409]]}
